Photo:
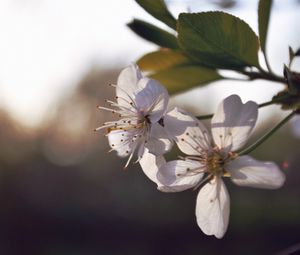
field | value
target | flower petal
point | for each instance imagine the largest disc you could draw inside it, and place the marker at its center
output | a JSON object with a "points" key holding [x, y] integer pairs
{"points": [[212, 208], [246, 171], [158, 141], [127, 85], [179, 175], [151, 99], [150, 165], [124, 142], [190, 134], [233, 123]]}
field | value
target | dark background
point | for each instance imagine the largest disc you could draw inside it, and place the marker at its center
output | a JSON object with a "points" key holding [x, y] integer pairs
{"points": [[62, 193]]}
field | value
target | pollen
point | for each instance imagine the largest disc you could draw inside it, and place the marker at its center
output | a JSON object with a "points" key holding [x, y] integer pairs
{"points": [[214, 162]]}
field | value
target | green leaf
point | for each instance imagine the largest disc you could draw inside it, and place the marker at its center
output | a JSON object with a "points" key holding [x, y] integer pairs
{"points": [[293, 81], [180, 78], [218, 39], [291, 54], [159, 10], [264, 10], [153, 34], [162, 59]]}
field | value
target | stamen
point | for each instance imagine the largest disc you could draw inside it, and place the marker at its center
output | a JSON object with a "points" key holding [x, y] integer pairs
{"points": [[129, 159], [132, 101]]}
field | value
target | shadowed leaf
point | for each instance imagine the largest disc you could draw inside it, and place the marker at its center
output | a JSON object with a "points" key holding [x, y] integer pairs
{"points": [[264, 10], [159, 10], [162, 59], [153, 34], [181, 78], [218, 39]]}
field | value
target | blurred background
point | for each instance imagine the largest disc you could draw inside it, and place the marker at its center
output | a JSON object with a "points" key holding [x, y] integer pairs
{"points": [[62, 193]]}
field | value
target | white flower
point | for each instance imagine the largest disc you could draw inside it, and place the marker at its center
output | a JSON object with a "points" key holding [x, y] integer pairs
{"points": [[141, 105], [215, 157]]}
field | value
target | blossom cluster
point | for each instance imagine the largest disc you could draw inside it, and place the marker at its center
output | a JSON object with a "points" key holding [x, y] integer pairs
{"points": [[146, 128]]}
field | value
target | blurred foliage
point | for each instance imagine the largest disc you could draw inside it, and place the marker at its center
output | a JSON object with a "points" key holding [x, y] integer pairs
{"points": [[61, 193]]}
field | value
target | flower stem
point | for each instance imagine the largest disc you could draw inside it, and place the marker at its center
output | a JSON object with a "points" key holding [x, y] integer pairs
{"points": [[267, 135], [264, 75]]}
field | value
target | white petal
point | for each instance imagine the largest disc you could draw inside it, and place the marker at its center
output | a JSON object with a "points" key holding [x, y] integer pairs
{"points": [[158, 146], [190, 134], [128, 85], [150, 165], [212, 208], [158, 142], [152, 99], [246, 171], [179, 175], [233, 123], [123, 141]]}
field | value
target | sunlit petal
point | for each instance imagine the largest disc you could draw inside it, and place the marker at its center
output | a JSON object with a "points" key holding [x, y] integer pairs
{"points": [[233, 123], [150, 165], [152, 99], [190, 134], [246, 171], [212, 208], [180, 175], [124, 142], [127, 85]]}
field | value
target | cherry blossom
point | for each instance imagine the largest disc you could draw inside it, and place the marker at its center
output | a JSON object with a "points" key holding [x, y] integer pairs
{"points": [[140, 105], [211, 157]]}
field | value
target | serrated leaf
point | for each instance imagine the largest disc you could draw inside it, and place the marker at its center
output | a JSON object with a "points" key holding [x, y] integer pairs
{"points": [[264, 11], [159, 10], [218, 39], [153, 34], [181, 78], [162, 59], [291, 54], [293, 81]]}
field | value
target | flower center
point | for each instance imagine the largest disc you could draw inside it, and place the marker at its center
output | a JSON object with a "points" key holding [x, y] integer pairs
{"points": [[215, 163]]}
